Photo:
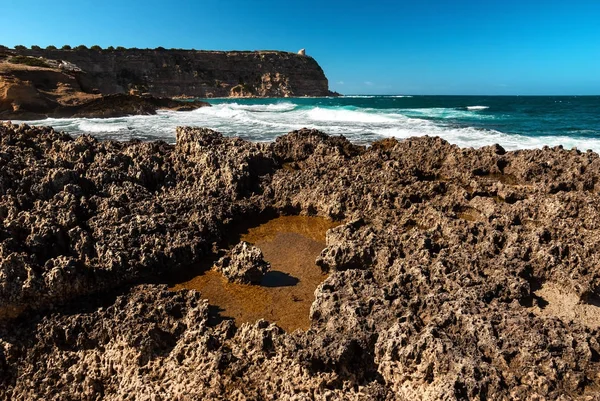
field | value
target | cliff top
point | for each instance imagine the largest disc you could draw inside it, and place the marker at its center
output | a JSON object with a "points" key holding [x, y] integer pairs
{"points": [[82, 48]]}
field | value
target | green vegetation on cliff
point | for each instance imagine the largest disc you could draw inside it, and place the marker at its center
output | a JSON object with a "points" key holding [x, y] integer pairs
{"points": [[31, 61]]}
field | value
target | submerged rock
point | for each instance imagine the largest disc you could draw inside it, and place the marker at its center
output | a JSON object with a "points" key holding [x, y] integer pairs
{"points": [[244, 264]]}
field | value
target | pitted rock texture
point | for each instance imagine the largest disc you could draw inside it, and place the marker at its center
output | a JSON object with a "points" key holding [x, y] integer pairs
{"points": [[80, 215], [433, 280], [244, 264]]}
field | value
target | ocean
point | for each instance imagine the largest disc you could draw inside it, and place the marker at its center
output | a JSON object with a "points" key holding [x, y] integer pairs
{"points": [[514, 122]]}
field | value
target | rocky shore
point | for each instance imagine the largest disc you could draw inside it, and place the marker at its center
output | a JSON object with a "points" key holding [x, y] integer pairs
{"points": [[447, 279]]}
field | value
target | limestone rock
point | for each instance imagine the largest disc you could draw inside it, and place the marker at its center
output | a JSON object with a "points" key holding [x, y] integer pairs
{"points": [[28, 92], [302, 52], [244, 264], [436, 277], [348, 247], [241, 91], [191, 73]]}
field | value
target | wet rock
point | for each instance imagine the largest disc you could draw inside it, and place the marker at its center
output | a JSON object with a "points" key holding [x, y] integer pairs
{"points": [[244, 264], [120, 105]]}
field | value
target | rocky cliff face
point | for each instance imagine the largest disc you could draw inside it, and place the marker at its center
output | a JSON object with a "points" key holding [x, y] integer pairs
{"points": [[172, 73], [36, 88]]}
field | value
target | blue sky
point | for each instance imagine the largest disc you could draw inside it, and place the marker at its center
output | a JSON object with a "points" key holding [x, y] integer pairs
{"points": [[367, 47]]}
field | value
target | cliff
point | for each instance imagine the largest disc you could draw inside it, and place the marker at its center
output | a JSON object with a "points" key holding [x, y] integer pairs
{"points": [[38, 87], [190, 73]]}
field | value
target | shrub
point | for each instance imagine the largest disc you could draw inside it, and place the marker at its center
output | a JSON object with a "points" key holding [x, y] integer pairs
{"points": [[51, 47], [66, 47], [121, 48], [81, 47], [96, 47], [32, 61], [111, 48], [20, 47], [35, 47], [160, 48]]}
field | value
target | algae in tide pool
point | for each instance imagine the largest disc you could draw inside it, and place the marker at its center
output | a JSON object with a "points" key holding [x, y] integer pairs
{"points": [[291, 244]]}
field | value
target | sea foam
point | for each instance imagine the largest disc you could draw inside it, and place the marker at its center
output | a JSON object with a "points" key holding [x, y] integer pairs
{"points": [[349, 116], [264, 121]]}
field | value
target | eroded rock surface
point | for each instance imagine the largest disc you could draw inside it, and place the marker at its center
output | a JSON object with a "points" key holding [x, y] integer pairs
{"points": [[244, 264], [433, 291]]}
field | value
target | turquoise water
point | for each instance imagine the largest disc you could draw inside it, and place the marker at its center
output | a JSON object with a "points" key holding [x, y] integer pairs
{"points": [[514, 122]]}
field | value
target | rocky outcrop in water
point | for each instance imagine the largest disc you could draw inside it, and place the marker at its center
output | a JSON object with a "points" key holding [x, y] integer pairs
{"points": [[244, 264], [436, 278]]}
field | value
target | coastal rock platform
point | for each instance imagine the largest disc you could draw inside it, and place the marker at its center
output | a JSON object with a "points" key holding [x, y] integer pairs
{"points": [[455, 274]]}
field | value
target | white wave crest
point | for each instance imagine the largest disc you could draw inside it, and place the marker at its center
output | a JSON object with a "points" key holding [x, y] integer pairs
{"points": [[100, 125], [342, 115], [276, 107], [477, 137], [443, 113], [477, 107]]}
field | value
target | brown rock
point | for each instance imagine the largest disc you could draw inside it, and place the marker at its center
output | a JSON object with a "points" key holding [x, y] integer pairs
{"points": [[445, 281], [28, 92], [244, 264], [171, 73]]}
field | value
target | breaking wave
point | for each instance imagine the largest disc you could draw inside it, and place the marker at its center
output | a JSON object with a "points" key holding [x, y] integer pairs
{"points": [[264, 120]]}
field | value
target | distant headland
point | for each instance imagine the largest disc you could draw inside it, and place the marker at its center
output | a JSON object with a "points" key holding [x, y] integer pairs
{"points": [[57, 82]]}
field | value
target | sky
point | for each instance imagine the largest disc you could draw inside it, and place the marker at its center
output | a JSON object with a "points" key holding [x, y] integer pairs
{"points": [[437, 47]]}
